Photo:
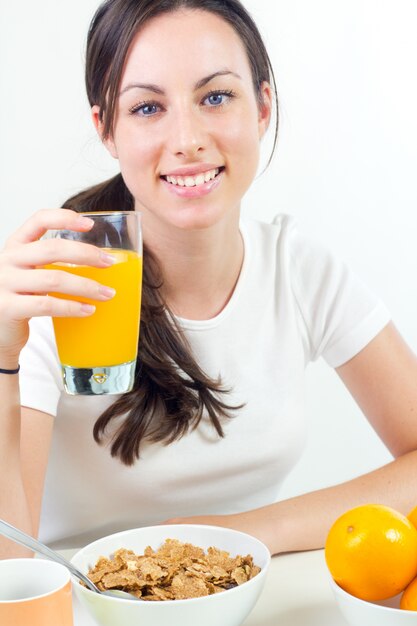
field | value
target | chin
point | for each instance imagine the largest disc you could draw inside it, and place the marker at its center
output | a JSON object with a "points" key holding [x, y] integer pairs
{"points": [[187, 215], [190, 218], [197, 219]]}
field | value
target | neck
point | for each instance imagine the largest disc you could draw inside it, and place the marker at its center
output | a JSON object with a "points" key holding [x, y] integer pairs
{"points": [[200, 267]]}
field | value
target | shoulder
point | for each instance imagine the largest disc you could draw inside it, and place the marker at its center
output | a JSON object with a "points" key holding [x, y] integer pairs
{"points": [[337, 313], [40, 372], [282, 243], [274, 236], [41, 327], [283, 230], [279, 227], [41, 340]]}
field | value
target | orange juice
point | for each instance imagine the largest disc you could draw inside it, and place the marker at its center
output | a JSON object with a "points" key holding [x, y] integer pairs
{"points": [[110, 335]]}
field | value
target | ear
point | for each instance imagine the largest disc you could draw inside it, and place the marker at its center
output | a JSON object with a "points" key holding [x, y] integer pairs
{"points": [[265, 108], [99, 126]]}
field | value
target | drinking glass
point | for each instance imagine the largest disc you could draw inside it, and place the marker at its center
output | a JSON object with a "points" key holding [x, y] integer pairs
{"points": [[98, 353]]}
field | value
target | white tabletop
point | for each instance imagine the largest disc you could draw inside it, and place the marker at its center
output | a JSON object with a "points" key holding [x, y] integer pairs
{"points": [[296, 593]]}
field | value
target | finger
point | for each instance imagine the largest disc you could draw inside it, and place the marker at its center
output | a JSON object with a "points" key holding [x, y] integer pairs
{"points": [[22, 307], [44, 282], [49, 219], [47, 251]]}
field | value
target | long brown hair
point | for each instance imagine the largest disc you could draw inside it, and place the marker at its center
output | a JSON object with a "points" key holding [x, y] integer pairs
{"points": [[171, 392]]}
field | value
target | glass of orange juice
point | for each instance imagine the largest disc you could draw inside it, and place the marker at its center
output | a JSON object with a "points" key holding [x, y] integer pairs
{"points": [[98, 353]]}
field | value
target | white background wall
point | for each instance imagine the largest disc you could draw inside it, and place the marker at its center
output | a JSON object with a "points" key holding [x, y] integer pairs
{"points": [[345, 167]]}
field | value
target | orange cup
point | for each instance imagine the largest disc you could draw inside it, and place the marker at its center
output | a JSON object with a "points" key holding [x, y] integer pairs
{"points": [[35, 592]]}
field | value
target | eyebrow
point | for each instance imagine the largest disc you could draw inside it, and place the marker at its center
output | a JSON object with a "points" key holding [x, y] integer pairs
{"points": [[198, 85], [207, 79]]}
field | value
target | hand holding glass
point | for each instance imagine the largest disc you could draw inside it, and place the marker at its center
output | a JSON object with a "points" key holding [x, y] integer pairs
{"points": [[98, 353]]}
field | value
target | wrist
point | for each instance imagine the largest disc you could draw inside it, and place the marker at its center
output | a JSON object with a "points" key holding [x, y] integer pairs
{"points": [[9, 362], [10, 371]]}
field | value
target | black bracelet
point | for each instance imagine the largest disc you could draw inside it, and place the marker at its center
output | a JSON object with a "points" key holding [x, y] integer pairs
{"points": [[10, 371]]}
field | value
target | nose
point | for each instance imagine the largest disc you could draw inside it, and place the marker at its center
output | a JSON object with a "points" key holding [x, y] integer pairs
{"points": [[188, 136]]}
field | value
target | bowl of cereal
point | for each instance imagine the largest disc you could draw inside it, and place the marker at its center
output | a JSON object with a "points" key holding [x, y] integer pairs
{"points": [[179, 573]]}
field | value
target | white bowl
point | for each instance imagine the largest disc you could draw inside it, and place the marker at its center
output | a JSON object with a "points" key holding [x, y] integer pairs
{"points": [[363, 613], [228, 608]]}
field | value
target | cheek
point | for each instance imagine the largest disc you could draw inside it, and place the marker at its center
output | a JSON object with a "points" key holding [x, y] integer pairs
{"points": [[138, 157], [241, 141], [132, 150]]}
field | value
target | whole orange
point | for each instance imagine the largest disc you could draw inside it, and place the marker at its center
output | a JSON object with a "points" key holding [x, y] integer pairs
{"points": [[371, 552], [412, 516], [409, 598]]}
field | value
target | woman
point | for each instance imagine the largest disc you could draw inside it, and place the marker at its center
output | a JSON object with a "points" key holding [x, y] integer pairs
{"points": [[182, 94]]}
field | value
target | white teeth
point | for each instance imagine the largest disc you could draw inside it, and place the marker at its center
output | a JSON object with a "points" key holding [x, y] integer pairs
{"points": [[193, 181]]}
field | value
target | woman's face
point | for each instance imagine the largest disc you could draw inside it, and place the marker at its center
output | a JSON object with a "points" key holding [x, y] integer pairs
{"points": [[188, 123]]}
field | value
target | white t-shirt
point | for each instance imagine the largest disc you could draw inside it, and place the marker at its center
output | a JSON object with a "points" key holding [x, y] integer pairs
{"points": [[292, 304]]}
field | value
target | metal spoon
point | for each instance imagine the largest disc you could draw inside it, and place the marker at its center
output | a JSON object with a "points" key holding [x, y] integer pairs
{"points": [[13, 533]]}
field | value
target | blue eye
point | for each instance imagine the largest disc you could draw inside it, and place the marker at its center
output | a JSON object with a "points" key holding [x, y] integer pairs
{"points": [[218, 98], [215, 98], [146, 109], [149, 109]]}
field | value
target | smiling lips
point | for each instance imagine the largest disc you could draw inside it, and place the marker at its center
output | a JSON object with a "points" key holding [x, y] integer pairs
{"points": [[187, 185], [192, 181]]}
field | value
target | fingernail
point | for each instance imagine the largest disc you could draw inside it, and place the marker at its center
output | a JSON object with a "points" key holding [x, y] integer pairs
{"points": [[108, 292], [108, 259], [88, 309], [85, 222]]}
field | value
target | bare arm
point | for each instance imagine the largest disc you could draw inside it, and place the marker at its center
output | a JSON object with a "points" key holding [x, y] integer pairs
{"points": [[24, 287], [35, 443], [383, 380], [24, 456], [13, 504]]}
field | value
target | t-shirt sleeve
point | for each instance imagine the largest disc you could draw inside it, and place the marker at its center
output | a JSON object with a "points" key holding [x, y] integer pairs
{"points": [[40, 371], [339, 313]]}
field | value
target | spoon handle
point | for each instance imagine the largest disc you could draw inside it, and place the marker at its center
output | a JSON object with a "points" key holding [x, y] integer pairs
{"points": [[13, 533]]}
